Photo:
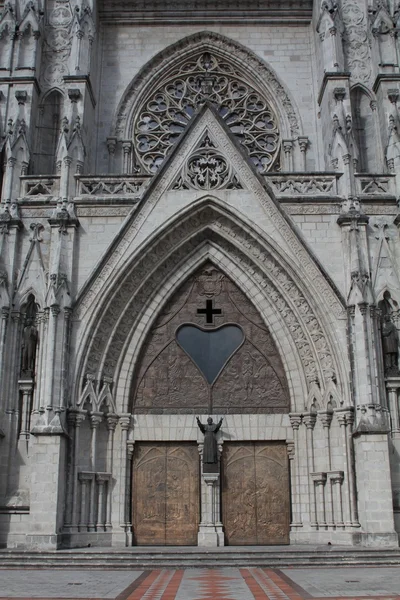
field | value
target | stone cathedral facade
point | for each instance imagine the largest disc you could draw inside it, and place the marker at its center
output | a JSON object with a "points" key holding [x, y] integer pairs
{"points": [[199, 217]]}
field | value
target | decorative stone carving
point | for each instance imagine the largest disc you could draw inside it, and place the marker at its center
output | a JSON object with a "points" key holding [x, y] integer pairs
{"points": [[205, 78], [303, 185], [243, 62], [207, 169], [112, 186], [356, 44], [248, 378], [307, 333]]}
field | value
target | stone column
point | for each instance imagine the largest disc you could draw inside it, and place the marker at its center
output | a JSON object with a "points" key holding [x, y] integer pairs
{"points": [[319, 481], [295, 421], [75, 418], [346, 419], [309, 421], [130, 447], [288, 151], [303, 144], [127, 151], [210, 528], [5, 311], [86, 478], [392, 387], [111, 147], [346, 505], [111, 421], [122, 530], [326, 420], [51, 356], [335, 479], [26, 387], [95, 420], [102, 479]]}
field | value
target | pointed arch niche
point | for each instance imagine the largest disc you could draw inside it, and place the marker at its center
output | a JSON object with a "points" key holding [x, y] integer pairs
{"points": [[366, 131], [209, 351], [48, 129], [205, 67]]}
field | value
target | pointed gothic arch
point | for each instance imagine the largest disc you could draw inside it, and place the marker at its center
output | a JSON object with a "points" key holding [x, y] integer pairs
{"points": [[209, 231], [205, 67]]}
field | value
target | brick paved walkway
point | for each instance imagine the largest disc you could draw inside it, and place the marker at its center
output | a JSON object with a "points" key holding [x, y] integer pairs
{"points": [[203, 584]]}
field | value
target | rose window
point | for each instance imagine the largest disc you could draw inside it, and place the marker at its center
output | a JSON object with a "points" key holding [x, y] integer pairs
{"points": [[163, 118]]}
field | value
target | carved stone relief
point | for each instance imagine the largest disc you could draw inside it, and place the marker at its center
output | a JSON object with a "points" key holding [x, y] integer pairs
{"points": [[207, 169], [205, 78], [244, 62], [249, 379], [57, 46], [108, 341], [91, 293], [255, 496], [356, 44]]}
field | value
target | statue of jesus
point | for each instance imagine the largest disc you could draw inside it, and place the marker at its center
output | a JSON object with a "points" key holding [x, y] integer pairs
{"points": [[210, 449]]}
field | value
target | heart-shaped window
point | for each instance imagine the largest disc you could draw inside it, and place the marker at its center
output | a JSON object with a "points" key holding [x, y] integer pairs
{"points": [[210, 349]]}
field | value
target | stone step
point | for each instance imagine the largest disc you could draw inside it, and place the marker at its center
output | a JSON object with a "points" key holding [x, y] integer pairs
{"points": [[152, 559]]}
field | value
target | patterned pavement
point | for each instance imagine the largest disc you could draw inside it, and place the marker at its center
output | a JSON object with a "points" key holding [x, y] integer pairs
{"points": [[204, 584]]}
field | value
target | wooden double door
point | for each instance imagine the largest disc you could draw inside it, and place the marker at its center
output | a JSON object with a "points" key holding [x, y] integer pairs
{"points": [[254, 484], [166, 495], [255, 493]]}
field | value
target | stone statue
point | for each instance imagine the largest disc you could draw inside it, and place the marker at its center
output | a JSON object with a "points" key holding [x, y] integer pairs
{"points": [[210, 450], [29, 342], [390, 345]]}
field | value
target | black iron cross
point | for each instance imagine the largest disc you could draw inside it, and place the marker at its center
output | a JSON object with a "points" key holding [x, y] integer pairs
{"points": [[209, 311]]}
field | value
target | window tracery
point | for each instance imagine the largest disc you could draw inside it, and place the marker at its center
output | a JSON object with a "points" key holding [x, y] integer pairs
{"points": [[206, 78]]}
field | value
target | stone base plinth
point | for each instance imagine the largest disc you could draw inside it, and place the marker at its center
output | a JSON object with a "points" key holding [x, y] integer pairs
{"points": [[210, 536]]}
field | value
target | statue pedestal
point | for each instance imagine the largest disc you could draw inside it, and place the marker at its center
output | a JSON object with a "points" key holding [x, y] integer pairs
{"points": [[210, 529]]}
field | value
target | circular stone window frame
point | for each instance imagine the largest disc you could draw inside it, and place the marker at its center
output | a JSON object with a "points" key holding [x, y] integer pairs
{"points": [[165, 64]]}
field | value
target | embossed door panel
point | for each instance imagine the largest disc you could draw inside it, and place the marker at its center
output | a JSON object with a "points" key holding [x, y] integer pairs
{"points": [[165, 494], [255, 493]]}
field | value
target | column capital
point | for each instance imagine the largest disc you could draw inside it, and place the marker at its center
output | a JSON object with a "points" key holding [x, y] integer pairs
{"points": [[295, 420], [125, 421], [345, 415], [130, 448], [318, 478], [303, 143], [101, 478], [290, 450], [326, 418], [86, 476], [335, 476], [95, 419], [76, 416], [112, 420], [309, 420]]}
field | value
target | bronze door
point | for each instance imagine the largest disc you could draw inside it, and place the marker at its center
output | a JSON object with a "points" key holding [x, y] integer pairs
{"points": [[165, 494], [255, 493]]}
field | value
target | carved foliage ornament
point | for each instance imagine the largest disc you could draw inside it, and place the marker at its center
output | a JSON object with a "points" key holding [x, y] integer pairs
{"points": [[205, 78], [207, 169], [356, 44]]}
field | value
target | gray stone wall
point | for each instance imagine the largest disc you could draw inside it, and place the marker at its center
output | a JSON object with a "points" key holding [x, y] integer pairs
{"points": [[103, 245]]}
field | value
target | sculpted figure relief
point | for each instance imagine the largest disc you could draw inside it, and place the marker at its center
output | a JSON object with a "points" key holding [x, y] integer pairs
{"points": [[29, 341], [390, 345], [210, 450]]}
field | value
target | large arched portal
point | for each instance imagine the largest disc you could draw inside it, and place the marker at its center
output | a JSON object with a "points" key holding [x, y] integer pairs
{"points": [[209, 352]]}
